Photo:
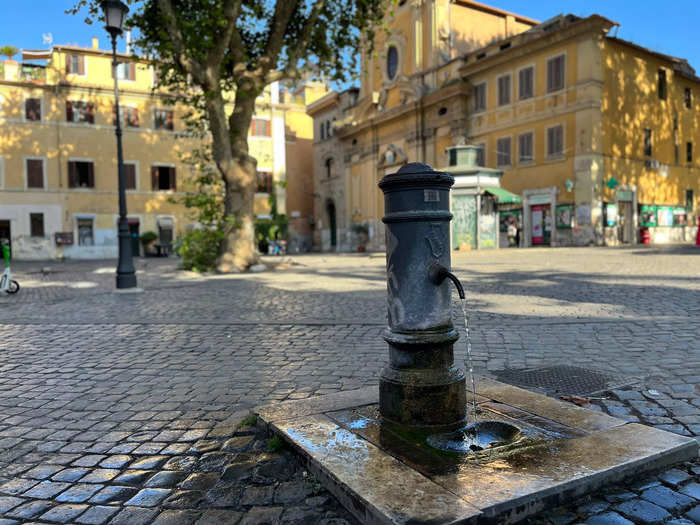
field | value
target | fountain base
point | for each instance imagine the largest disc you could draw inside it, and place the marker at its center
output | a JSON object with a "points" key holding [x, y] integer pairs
{"points": [[543, 452]]}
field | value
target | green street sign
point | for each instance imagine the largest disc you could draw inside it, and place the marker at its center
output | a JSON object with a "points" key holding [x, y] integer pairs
{"points": [[612, 183]]}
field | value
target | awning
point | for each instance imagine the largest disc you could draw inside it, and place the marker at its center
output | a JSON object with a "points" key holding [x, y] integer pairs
{"points": [[503, 196]]}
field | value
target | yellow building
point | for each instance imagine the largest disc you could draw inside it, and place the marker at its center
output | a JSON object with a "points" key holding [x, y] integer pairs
{"points": [[58, 172], [596, 134]]}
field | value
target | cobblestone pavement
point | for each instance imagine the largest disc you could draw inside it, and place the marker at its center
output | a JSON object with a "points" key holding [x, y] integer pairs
{"points": [[110, 403]]}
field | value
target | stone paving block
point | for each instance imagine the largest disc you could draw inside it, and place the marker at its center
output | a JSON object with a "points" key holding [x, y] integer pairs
{"points": [[42, 471], [258, 495], [214, 461], [78, 493], [148, 497], [679, 521], [149, 448], [148, 463], [261, 515], [691, 489], [97, 515], [101, 475], [175, 448], [238, 443], [89, 460], [292, 491], [177, 517], [64, 513], [31, 509], [17, 486], [46, 489], [117, 461], [133, 477], [134, 516], [693, 514], [8, 503], [674, 477], [642, 511], [184, 499], [608, 518], [70, 474], [113, 494], [4, 521], [217, 517], [667, 498], [166, 479], [183, 463], [200, 481]]}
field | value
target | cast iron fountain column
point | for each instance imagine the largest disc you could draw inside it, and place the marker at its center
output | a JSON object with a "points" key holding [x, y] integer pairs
{"points": [[421, 386]]}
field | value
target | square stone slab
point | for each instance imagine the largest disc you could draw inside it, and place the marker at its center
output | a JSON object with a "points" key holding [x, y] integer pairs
{"points": [[385, 476]]}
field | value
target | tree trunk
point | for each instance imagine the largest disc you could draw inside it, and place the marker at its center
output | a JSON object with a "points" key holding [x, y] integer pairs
{"points": [[238, 251]]}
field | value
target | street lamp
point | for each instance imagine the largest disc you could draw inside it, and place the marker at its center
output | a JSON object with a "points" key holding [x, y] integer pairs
{"points": [[115, 12]]}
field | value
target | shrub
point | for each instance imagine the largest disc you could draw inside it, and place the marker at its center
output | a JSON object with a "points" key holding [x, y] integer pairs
{"points": [[147, 238], [199, 249]]}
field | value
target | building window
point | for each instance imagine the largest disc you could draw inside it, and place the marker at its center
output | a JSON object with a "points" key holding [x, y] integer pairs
{"points": [[126, 71], [35, 173], [677, 153], [689, 152], [75, 64], [81, 174], [525, 147], [689, 201], [164, 119], [329, 129], [85, 232], [36, 224], [556, 73], [503, 152], [79, 111], [662, 84], [128, 116], [481, 155], [329, 168], [647, 143], [323, 131], [555, 141], [504, 90], [130, 176], [260, 127], [392, 62], [688, 98], [163, 178], [526, 83], [480, 97], [264, 182], [32, 109]]}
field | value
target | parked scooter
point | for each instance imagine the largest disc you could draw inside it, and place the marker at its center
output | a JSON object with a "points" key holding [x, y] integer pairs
{"points": [[7, 284]]}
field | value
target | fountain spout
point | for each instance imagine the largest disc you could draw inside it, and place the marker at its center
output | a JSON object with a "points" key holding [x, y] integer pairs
{"points": [[438, 273]]}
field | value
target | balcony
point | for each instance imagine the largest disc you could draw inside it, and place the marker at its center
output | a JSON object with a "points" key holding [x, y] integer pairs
{"points": [[33, 73]]}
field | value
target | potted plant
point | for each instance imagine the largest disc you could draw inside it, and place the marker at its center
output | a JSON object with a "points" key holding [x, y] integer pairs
{"points": [[147, 241], [361, 231]]}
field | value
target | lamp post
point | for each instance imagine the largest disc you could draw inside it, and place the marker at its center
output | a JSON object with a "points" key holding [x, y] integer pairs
{"points": [[115, 12]]}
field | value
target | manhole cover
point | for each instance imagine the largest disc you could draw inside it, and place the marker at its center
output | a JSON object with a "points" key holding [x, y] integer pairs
{"points": [[561, 380]]}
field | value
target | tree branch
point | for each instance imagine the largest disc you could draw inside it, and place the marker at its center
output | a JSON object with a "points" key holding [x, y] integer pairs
{"points": [[216, 54], [189, 66], [284, 9]]}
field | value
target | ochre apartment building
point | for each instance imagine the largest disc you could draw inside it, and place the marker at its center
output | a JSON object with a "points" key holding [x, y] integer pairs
{"points": [[597, 135], [58, 171]]}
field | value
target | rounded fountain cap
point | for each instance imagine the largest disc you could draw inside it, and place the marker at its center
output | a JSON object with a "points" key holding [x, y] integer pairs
{"points": [[416, 174]]}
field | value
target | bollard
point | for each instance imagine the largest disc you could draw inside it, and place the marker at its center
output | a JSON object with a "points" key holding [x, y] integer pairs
{"points": [[420, 387]]}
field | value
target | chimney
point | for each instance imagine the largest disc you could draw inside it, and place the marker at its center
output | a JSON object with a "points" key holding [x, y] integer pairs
{"points": [[95, 43]]}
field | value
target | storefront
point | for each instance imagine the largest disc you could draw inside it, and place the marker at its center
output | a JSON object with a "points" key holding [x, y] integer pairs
{"points": [[538, 221]]}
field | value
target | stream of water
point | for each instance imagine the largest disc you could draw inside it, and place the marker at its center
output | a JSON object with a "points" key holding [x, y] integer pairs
{"points": [[470, 364]]}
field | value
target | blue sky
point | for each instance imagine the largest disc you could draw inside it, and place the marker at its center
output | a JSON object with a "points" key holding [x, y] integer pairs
{"points": [[669, 27]]}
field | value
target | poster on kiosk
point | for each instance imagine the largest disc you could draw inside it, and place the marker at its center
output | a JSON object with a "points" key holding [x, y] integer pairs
{"points": [[537, 226]]}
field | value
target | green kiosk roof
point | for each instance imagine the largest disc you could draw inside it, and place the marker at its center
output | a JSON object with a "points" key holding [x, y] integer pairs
{"points": [[503, 196]]}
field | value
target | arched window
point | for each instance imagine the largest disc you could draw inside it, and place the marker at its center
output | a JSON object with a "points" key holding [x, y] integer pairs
{"points": [[329, 168], [323, 130], [392, 62]]}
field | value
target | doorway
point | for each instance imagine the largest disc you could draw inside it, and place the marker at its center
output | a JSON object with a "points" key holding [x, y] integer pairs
{"points": [[135, 237], [6, 235], [541, 228], [626, 221], [330, 208]]}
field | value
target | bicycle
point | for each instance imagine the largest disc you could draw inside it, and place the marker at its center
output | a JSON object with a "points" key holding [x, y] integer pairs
{"points": [[7, 284]]}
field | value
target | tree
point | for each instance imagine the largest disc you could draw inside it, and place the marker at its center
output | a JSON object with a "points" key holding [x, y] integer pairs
{"points": [[8, 51], [214, 53]]}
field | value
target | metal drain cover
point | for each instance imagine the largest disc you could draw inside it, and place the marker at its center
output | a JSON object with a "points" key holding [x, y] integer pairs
{"points": [[561, 380]]}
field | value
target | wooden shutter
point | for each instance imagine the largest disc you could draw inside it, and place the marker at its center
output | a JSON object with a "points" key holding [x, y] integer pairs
{"points": [[169, 123], [130, 176], [69, 111], [91, 174], [90, 113], [81, 65], [35, 173], [132, 71], [72, 174], [154, 178], [171, 175], [135, 117], [69, 63]]}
